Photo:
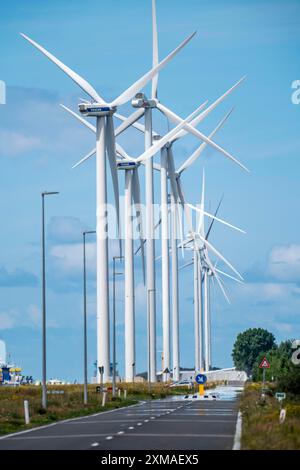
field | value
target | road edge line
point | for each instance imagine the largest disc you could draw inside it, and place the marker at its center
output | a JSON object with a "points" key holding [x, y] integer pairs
{"points": [[238, 433]]}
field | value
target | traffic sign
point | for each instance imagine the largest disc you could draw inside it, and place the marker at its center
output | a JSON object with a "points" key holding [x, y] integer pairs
{"points": [[200, 379], [280, 396], [264, 364]]}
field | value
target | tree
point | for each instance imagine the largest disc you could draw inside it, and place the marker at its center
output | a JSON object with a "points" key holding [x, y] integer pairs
{"points": [[249, 345], [279, 359]]}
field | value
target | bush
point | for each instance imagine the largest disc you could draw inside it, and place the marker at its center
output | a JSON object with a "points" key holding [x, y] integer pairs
{"points": [[290, 382]]}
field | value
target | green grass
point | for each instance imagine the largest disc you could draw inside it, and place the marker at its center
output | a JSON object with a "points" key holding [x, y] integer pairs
{"points": [[70, 404], [261, 429]]}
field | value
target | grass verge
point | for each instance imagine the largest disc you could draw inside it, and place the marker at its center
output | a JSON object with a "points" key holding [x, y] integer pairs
{"points": [[69, 404], [261, 429]]}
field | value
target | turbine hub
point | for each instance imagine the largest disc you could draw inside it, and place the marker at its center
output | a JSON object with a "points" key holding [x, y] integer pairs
{"points": [[140, 101]]}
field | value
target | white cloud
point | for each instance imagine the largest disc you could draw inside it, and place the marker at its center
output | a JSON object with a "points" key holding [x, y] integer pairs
{"points": [[65, 229], [14, 318], [68, 259], [34, 315], [14, 143], [284, 263], [7, 320], [267, 291]]}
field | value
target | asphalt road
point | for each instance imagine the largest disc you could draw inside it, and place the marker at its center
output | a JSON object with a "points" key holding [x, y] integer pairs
{"points": [[157, 425]]}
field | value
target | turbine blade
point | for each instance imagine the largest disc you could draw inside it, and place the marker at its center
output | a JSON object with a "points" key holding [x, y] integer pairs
{"points": [[178, 135], [203, 146], [215, 214], [139, 84], [203, 115], [89, 155], [201, 220], [84, 85], [79, 118], [229, 276], [161, 143], [144, 241], [219, 255], [171, 171], [154, 50], [186, 209], [120, 151], [111, 153], [185, 265], [130, 121], [170, 114], [90, 126], [215, 218], [218, 279], [137, 125], [136, 195]]}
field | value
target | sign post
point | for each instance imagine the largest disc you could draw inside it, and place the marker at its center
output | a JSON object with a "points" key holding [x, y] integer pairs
{"points": [[201, 379], [264, 365]]}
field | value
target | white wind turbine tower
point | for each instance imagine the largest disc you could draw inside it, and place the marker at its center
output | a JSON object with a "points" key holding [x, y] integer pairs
{"points": [[105, 141], [132, 196]]}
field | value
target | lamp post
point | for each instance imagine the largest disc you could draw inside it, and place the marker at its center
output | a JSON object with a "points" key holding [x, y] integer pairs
{"points": [[85, 388], [44, 372], [114, 321]]}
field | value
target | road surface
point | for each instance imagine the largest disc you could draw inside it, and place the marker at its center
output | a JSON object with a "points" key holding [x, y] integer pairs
{"points": [[167, 424]]}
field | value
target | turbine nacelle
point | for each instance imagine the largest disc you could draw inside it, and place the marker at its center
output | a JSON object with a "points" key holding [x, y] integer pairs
{"points": [[126, 165], [96, 109], [140, 101]]}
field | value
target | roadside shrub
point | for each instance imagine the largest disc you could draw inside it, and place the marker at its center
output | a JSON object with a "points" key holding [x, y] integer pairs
{"points": [[290, 382]]}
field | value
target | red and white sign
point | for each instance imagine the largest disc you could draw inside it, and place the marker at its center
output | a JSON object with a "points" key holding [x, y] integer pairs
{"points": [[264, 364]]}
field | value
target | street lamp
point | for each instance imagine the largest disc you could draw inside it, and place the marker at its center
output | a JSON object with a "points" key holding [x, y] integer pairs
{"points": [[85, 388], [44, 385], [114, 321]]}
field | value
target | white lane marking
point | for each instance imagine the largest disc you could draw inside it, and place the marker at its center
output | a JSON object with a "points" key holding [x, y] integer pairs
{"points": [[95, 444], [165, 420], [104, 421], [58, 436], [238, 433], [181, 435]]}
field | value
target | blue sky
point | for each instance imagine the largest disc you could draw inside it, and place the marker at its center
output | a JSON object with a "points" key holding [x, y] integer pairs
{"points": [[109, 43]]}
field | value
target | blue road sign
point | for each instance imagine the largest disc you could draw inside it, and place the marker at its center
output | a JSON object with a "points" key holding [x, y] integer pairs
{"points": [[200, 379]]}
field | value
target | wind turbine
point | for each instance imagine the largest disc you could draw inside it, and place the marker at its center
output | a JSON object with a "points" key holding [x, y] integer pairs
{"points": [[132, 193], [148, 105], [203, 270], [105, 142]]}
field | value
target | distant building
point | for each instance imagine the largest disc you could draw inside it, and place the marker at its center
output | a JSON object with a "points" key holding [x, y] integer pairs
{"points": [[2, 352], [9, 373]]}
